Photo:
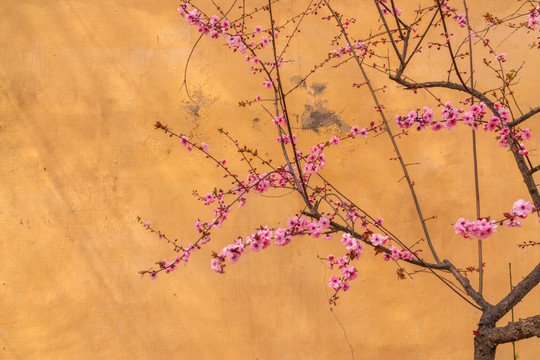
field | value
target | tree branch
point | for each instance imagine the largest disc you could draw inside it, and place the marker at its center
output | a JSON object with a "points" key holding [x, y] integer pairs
{"points": [[494, 313], [476, 296], [514, 331], [444, 84], [383, 249], [389, 131], [524, 117]]}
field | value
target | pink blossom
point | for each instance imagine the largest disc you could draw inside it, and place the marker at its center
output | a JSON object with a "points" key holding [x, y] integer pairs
{"points": [[334, 283], [214, 20], [437, 126], [282, 237], [334, 140], [505, 115], [171, 267], [341, 261], [503, 141], [153, 275], [279, 120], [242, 201], [501, 57], [225, 24], [208, 199], [349, 272], [406, 255], [264, 41], [198, 226], [259, 240], [363, 133], [404, 122], [523, 150], [525, 134], [258, 29], [394, 253], [314, 229], [267, 84], [355, 130], [378, 239], [461, 19], [534, 18], [324, 223], [521, 208], [217, 265], [512, 223], [481, 228]]}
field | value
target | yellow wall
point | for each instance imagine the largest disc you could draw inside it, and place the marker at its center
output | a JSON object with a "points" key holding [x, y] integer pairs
{"points": [[82, 83]]}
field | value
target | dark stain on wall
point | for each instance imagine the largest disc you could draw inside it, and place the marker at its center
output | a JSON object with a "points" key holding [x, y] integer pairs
{"points": [[316, 114]]}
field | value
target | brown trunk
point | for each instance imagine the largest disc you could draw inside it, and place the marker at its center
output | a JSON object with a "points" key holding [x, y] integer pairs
{"points": [[483, 349]]}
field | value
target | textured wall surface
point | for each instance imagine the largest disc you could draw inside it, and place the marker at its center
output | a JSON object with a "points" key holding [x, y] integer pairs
{"points": [[82, 83]]}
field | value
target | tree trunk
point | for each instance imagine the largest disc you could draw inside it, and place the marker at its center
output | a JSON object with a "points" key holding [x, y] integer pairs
{"points": [[485, 343], [484, 349]]}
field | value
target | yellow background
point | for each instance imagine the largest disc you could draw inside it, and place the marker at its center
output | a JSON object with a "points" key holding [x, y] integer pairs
{"points": [[82, 83]]}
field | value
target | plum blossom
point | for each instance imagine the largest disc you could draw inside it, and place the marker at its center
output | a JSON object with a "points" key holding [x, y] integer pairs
{"points": [[349, 242], [324, 223], [534, 18], [378, 239], [522, 208], [349, 272], [501, 57], [279, 120], [406, 255], [394, 253], [481, 228], [208, 199], [334, 283], [259, 240], [461, 19]]}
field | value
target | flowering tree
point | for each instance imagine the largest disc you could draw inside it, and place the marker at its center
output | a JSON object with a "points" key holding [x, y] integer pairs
{"points": [[403, 38]]}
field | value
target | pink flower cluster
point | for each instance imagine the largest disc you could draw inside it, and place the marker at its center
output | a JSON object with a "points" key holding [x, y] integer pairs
{"points": [[315, 160], [296, 226], [216, 28], [474, 117], [501, 57], [484, 228], [386, 11], [360, 46], [213, 26], [352, 244], [534, 18], [520, 210], [166, 266], [481, 228], [348, 272], [461, 19], [363, 132]]}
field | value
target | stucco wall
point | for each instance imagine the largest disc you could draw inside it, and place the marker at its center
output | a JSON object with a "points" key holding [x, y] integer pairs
{"points": [[82, 83]]}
